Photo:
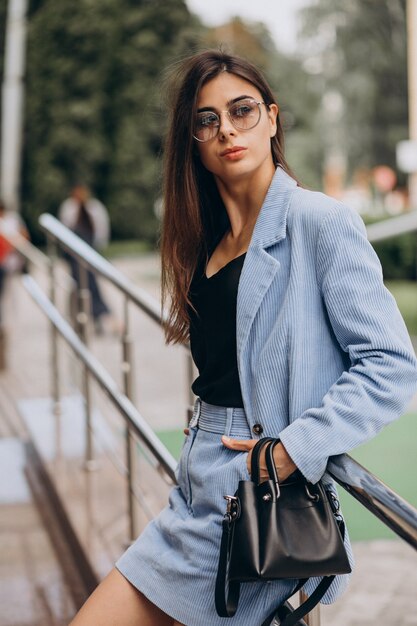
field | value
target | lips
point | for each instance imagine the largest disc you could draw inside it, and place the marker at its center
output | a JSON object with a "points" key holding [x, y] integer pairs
{"points": [[233, 150]]}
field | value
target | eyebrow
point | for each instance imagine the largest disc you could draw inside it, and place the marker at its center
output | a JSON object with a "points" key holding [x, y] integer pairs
{"points": [[228, 103]]}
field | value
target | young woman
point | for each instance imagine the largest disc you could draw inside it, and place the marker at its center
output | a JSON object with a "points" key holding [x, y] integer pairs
{"points": [[291, 328]]}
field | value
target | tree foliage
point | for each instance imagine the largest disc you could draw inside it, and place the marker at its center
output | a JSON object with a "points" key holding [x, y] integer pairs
{"points": [[93, 110], [358, 50], [92, 103]]}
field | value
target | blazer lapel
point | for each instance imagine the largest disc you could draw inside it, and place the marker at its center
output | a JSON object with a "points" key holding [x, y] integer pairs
{"points": [[260, 268]]}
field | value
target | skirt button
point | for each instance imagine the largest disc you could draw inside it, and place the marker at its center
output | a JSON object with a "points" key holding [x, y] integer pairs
{"points": [[257, 429]]}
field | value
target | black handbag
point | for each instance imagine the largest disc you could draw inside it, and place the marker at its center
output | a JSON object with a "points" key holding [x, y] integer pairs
{"points": [[274, 531]]}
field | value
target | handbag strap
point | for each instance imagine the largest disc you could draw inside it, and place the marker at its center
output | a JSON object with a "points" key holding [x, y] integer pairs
{"points": [[227, 592], [309, 604]]}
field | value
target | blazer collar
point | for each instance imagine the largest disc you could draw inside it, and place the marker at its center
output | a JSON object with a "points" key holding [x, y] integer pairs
{"points": [[271, 224], [260, 267]]}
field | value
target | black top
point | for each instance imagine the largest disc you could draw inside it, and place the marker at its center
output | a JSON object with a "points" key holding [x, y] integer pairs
{"points": [[213, 335]]}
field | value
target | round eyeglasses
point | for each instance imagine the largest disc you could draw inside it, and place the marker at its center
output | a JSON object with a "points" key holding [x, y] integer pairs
{"points": [[243, 114]]}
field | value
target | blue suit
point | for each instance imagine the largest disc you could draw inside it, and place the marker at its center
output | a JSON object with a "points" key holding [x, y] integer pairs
{"points": [[325, 360]]}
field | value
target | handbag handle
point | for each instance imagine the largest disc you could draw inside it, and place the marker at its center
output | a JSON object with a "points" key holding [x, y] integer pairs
{"points": [[270, 464], [256, 452]]}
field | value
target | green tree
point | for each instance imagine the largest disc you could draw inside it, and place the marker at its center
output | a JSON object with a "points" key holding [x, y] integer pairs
{"points": [[93, 76], [151, 38], [358, 49]]}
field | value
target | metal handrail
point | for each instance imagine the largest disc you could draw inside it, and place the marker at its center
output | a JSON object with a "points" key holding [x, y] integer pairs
{"points": [[32, 254], [392, 227], [136, 422], [91, 259], [394, 512]]}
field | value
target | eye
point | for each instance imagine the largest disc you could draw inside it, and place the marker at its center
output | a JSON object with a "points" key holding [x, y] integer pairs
{"points": [[243, 109], [208, 119]]}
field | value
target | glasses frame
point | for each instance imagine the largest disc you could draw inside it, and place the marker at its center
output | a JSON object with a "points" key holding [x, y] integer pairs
{"points": [[227, 111]]}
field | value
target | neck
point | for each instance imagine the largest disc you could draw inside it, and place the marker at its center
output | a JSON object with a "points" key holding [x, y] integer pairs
{"points": [[243, 199]]}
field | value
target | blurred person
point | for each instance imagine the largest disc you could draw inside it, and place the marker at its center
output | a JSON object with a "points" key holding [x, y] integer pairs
{"points": [[88, 218], [11, 261], [292, 330]]}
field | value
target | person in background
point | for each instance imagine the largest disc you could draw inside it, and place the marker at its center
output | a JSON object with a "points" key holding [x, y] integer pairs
{"points": [[88, 218], [11, 261], [12, 228]]}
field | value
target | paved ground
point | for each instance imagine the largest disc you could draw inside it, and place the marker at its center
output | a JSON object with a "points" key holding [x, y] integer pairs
{"points": [[383, 587], [32, 589]]}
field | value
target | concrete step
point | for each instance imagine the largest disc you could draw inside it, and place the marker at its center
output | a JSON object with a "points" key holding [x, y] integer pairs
{"points": [[33, 589]]}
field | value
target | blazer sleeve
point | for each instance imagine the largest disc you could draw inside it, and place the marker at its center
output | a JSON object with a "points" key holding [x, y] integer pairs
{"points": [[368, 326]]}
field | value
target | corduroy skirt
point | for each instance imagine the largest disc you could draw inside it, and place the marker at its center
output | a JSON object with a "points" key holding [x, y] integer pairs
{"points": [[174, 561]]}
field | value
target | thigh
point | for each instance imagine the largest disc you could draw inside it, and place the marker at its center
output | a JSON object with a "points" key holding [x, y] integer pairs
{"points": [[116, 602]]}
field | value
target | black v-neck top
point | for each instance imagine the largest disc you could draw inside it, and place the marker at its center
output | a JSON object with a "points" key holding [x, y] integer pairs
{"points": [[213, 335]]}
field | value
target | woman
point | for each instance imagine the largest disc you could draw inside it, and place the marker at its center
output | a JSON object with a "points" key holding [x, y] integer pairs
{"points": [[291, 328]]}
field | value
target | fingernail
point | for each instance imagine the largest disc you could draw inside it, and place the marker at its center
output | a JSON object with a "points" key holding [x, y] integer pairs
{"points": [[226, 438]]}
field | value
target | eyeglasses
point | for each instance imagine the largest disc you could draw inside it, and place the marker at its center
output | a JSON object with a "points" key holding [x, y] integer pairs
{"points": [[243, 114]]}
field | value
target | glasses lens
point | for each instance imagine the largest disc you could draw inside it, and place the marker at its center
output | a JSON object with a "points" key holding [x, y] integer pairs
{"points": [[207, 125], [245, 114]]}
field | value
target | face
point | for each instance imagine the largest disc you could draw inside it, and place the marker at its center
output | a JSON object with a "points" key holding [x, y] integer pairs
{"points": [[80, 193], [235, 153]]}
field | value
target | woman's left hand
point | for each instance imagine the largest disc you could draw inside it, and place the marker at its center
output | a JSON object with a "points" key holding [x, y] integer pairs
{"points": [[283, 462]]}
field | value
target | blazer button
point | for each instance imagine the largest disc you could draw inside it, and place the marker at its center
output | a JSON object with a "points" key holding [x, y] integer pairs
{"points": [[257, 429]]}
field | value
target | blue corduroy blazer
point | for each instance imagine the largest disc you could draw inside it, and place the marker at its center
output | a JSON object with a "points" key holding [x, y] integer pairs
{"points": [[324, 357]]}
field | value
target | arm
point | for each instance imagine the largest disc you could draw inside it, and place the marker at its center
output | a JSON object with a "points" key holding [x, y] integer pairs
{"points": [[369, 328]]}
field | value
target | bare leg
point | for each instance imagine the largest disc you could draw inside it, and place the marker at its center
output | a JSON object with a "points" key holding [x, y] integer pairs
{"points": [[116, 602]]}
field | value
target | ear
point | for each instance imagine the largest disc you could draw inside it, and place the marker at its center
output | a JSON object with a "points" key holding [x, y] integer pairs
{"points": [[272, 115]]}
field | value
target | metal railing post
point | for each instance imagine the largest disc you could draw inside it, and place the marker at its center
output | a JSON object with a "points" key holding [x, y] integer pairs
{"points": [[313, 618], [127, 369], [52, 258], [83, 317]]}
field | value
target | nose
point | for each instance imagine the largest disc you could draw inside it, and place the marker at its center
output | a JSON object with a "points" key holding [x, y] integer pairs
{"points": [[226, 127]]}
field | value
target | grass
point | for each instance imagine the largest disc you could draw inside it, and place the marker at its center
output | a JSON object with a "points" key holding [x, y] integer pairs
{"points": [[128, 247], [173, 440], [391, 456]]}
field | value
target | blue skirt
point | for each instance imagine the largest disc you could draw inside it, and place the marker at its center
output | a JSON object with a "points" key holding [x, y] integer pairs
{"points": [[174, 561]]}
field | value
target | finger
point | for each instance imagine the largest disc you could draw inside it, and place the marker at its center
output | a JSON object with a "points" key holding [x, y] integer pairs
{"points": [[186, 431], [249, 462], [238, 444]]}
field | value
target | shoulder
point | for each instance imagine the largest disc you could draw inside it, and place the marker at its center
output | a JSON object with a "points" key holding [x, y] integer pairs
{"points": [[95, 206], [317, 212], [66, 207]]}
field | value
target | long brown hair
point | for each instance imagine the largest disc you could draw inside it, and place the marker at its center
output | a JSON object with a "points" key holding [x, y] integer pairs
{"points": [[194, 214]]}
